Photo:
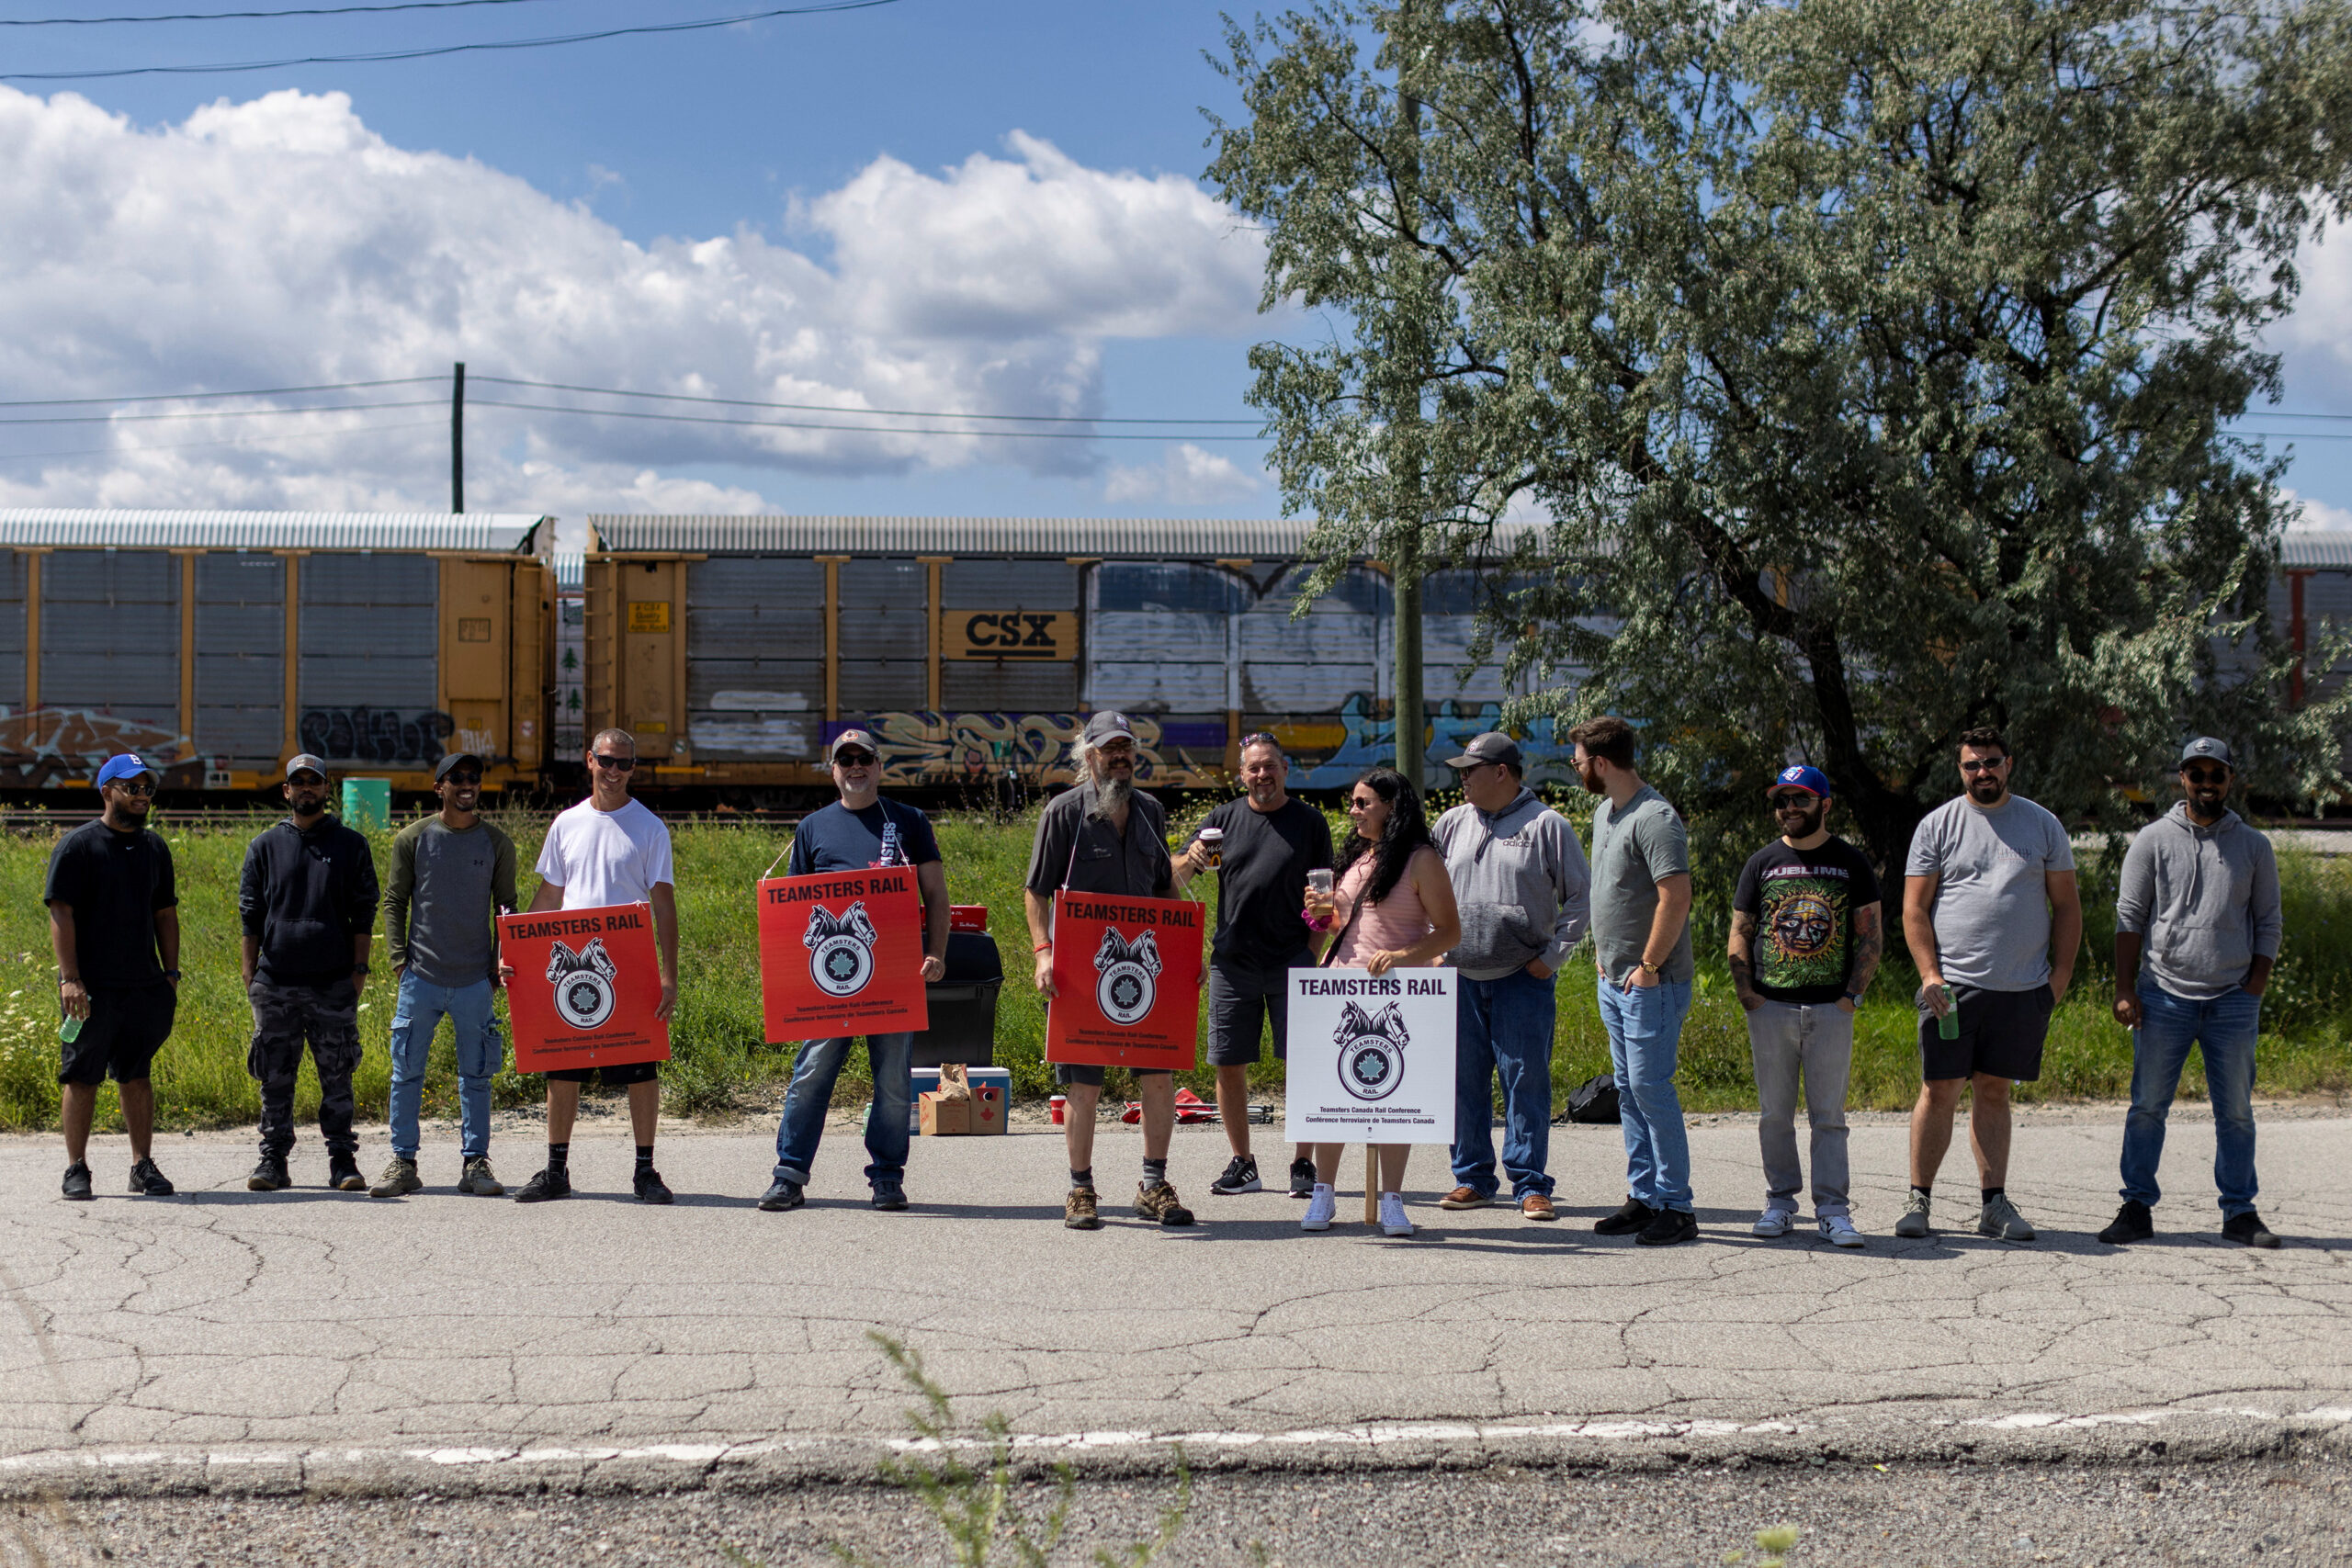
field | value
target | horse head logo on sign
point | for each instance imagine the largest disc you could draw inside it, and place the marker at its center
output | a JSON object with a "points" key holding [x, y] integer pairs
{"points": [[1372, 1051], [1129, 976], [840, 949], [582, 982]]}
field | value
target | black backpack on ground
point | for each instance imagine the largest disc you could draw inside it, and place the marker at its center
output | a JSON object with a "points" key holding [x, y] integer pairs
{"points": [[1593, 1101]]}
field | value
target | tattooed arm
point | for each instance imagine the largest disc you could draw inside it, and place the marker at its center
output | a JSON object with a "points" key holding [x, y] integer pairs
{"points": [[1869, 946], [1743, 965]]}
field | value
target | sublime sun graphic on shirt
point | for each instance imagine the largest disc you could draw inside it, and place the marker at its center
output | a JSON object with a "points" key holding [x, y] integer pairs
{"points": [[1800, 935]]}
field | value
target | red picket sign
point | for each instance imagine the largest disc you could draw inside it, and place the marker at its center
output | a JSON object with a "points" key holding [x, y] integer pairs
{"points": [[585, 986], [1126, 981], [840, 953]]}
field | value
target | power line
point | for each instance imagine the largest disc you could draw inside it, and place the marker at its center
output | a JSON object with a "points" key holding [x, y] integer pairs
{"points": [[810, 425], [835, 408], [192, 396], [251, 16], [226, 67], [218, 413], [230, 441]]}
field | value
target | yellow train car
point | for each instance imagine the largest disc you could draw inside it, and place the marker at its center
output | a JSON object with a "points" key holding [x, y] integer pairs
{"points": [[219, 644]]}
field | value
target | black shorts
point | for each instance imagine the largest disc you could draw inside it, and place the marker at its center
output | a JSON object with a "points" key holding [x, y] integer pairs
{"points": [[2001, 1034], [126, 1027], [1242, 1004], [616, 1074], [1086, 1073]]}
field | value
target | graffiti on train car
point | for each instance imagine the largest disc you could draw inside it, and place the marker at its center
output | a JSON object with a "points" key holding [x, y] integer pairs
{"points": [[375, 735], [58, 746], [923, 747]]}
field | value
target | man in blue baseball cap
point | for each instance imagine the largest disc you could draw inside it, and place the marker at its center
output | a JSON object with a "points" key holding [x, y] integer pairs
{"points": [[114, 924], [1805, 939]]}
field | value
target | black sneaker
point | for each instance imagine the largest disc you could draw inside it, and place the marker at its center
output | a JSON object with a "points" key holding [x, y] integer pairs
{"points": [[1671, 1225], [77, 1183], [649, 1189], [343, 1174], [2131, 1222], [269, 1176], [1301, 1178], [547, 1184], [890, 1197], [146, 1181], [2248, 1228], [1240, 1176], [1633, 1217], [782, 1195]]}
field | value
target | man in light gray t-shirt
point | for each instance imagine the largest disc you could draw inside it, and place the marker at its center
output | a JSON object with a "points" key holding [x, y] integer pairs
{"points": [[1994, 918]]}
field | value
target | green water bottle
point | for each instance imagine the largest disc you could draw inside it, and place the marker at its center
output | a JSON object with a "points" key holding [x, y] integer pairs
{"points": [[1948, 1025], [70, 1029]]}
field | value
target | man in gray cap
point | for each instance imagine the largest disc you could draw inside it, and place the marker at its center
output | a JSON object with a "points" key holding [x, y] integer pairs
{"points": [[2200, 898], [453, 876], [1106, 836], [1521, 884], [307, 900]]}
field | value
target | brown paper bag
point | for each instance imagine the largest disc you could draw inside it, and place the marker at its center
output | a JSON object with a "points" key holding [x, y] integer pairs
{"points": [[953, 1083]]}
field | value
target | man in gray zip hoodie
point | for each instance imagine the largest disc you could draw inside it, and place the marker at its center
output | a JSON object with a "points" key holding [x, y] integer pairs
{"points": [[2199, 898], [1520, 880]]}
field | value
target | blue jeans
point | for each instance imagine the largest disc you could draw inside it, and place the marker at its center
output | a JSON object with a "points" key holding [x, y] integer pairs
{"points": [[1644, 1028], [415, 1016], [2225, 1027], [1504, 1026], [805, 1103]]}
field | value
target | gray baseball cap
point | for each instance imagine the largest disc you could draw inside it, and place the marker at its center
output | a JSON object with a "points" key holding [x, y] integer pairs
{"points": [[2207, 749], [1492, 747], [303, 762], [1108, 726], [859, 738]]}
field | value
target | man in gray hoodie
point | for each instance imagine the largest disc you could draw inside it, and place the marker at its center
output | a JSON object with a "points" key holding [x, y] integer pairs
{"points": [[2199, 900], [1519, 879]]}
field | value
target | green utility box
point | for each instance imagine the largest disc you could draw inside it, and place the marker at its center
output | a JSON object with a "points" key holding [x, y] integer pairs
{"points": [[368, 803]]}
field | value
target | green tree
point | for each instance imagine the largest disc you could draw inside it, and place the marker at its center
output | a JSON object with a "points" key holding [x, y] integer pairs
{"points": [[1869, 362]]}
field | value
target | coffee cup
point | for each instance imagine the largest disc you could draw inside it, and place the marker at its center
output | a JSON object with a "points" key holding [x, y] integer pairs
{"points": [[1213, 841]]}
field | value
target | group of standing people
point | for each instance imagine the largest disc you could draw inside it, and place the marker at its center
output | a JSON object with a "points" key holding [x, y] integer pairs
{"points": [[1500, 888]]}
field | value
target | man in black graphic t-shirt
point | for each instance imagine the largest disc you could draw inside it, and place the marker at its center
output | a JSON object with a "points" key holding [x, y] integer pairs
{"points": [[1805, 939]]}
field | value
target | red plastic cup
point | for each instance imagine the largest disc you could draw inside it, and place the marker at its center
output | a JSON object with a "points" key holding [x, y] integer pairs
{"points": [[1059, 1105]]}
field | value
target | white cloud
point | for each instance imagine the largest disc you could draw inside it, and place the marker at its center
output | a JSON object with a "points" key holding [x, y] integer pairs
{"points": [[1186, 476], [2317, 516], [280, 242]]}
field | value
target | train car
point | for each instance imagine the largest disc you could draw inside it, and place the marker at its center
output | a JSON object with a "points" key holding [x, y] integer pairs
{"points": [[735, 648], [218, 644]]}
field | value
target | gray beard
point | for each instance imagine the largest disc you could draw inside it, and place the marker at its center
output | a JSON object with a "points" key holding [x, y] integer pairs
{"points": [[1111, 794]]}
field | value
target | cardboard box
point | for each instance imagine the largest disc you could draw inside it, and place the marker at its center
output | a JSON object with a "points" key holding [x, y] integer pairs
{"points": [[936, 1117], [999, 1079], [988, 1109]]}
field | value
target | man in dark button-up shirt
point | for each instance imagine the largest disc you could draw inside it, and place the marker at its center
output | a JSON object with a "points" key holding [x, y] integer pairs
{"points": [[1106, 836]]}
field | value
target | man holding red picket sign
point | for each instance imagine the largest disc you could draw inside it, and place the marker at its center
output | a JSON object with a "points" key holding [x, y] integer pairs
{"points": [[609, 849], [1106, 836], [859, 832]]}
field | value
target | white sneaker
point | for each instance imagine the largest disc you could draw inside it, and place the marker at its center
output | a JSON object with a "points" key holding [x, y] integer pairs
{"points": [[1392, 1215], [1321, 1206], [1839, 1231], [1773, 1223]]}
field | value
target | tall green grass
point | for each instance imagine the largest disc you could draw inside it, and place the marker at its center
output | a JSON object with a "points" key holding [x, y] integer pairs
{"points": [[722, 1065]]}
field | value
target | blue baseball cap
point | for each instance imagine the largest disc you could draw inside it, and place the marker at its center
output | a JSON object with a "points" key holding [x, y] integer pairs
{"points": [[127, 766], [1813, 781]]}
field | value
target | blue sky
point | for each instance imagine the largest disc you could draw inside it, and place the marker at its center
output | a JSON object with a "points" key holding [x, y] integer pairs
{"points": [[932, 203]]}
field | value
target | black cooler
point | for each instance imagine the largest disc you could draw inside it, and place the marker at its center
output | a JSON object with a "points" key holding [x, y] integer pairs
{"points": [[962, 1004]]}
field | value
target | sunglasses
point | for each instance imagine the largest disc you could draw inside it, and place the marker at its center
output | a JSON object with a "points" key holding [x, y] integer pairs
{"points": [[2206, 775], [1362, 805], [1259, 738], [1791, 798], [134, 786], [618, 764], [307, 781], [853, 759], [462, 778], [1994, 766]]}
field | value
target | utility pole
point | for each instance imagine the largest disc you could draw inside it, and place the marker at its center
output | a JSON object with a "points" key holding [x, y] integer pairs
{"points": [[1404, 560], [457, 439]]}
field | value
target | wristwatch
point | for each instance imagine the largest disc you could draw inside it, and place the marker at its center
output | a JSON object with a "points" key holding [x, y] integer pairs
{"points": [[1855, 998], [172, 975], [1653, 968], [360, 970]]}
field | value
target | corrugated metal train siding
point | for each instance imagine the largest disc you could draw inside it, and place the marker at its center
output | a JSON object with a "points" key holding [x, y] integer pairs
{"points": [[369, 641], [884, 634], [241, 658], [755, 659], [111, 635], [12, 631], [1008, 685]]}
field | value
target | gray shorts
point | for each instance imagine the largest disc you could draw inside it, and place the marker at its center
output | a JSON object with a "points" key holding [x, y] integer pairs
{"points": [[1243, 1004]]}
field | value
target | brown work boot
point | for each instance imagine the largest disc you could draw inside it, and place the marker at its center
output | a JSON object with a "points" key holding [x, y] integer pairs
{"points": [[1536, 1206], [1077, 1210], [1158, 1202], [1465, 1198]]}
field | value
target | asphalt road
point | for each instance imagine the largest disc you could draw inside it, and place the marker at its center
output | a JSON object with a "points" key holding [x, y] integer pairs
{"points": [[251, 1343]]}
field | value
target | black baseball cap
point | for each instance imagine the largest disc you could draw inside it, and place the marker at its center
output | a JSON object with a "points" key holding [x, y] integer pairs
{"points": [[442, 770], [304, 763], [1492, 747], [2206, 749]]}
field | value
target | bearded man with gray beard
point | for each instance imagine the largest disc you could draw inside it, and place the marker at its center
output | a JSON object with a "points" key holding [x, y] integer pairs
{"points": [[1106, 836]]}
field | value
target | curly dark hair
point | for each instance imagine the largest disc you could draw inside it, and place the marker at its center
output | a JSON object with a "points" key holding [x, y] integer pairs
{"points": [[1407, 830]]}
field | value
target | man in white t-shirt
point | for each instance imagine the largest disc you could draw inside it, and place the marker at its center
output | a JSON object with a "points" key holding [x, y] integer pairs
{"points": [[609, 849]]}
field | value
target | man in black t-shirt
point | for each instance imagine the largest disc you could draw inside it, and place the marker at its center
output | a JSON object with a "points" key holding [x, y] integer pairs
{"points": [[114, 923], [1268, 844], [861, 831], [1805, 939]]}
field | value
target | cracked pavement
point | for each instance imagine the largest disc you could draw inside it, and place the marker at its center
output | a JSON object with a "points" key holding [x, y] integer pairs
{"points": [[222, 1327]]}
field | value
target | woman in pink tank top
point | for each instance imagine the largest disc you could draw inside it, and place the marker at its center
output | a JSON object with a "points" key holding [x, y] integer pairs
{"points": [[1393, 909]]}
